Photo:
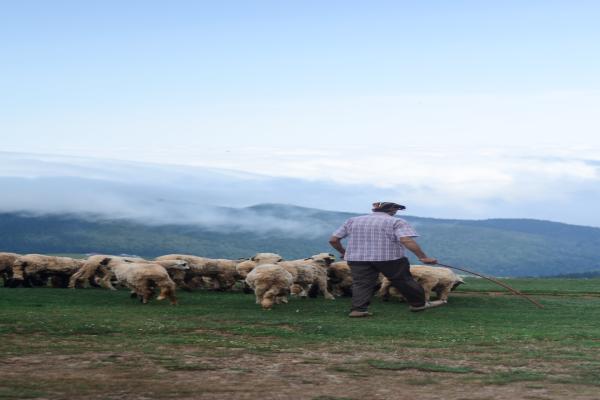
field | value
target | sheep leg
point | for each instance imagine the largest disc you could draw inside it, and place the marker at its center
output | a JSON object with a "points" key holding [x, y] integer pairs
{"points": [[269, 298], [427, 289], [18, 272], [105, 282], [170, 293], [167, 290], [304, 290], [35, 279], [259, 292], [384, 290], [323, 287], [444, 292], [144, 291], [75, 279], [246, 288]]}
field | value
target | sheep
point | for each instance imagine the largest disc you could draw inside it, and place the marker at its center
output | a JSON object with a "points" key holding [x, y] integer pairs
{"points": [[271, 284], [438, 279], [220, 273], [244, 267], [323, 259], [6, 262], [189, 279], [35, 269], [98, 273], [310, 274], [97, 269], [340, 278], [309, 277], [142, 277]]}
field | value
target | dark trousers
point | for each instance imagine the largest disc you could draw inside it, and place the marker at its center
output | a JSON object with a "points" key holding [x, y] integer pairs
{"points": [[364, 281]]}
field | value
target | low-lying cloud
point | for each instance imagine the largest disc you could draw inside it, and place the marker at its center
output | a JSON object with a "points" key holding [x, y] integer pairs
{"points": [[480, 184], [154, 194]]}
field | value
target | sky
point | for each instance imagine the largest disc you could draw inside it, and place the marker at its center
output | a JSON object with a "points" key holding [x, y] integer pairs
{"points": [[462, 109]]}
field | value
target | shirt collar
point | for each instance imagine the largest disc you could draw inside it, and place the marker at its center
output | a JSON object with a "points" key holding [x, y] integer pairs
{"points": [[380, 213]]}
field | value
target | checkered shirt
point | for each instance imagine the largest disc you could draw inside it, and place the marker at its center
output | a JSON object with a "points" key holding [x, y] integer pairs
{"points": [[374, 237]]}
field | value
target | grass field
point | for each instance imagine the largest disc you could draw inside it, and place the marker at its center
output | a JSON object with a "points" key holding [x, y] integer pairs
{"points": [[98, 344]]}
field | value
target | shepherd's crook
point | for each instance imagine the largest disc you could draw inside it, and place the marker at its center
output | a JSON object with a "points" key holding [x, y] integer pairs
{"points": [[515, 291]]}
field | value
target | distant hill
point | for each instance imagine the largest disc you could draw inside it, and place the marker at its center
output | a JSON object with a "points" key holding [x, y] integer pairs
{"points": [[501, 247]]}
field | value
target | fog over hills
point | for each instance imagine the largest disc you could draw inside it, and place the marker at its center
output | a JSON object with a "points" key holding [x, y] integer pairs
{"points": [[180, 189], [156, 193], [56, 204], [499, 247]]}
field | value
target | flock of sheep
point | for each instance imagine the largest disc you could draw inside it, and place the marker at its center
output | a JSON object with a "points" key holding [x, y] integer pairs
{"points": [[271, 278]]}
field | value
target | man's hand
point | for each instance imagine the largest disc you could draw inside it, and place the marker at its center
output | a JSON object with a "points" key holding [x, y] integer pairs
{"points": [[336, 243], [413, 246]]}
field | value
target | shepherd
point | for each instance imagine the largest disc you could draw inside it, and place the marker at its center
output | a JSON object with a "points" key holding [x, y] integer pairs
{"points": [[376, 244]]}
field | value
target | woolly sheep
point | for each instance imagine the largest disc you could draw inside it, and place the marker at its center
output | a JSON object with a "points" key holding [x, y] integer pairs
{"points": [[6, 262], [96, 272], [244, 267], [340, 278], [141, 278], [271, 284], [322, 259], [220, 273], [308, 277], [98, 269], [433, 279], [36, 269], [192, 277]]}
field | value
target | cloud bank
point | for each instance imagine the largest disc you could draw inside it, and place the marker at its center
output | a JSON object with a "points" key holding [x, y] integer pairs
{"points": [[557, 185]]}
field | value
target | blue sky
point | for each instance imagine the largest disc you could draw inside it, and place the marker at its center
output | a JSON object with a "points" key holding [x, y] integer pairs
{"points": [[505, 94]]}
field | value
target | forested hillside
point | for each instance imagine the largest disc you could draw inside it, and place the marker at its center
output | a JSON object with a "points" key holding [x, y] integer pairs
{"points": [[499, 247]]}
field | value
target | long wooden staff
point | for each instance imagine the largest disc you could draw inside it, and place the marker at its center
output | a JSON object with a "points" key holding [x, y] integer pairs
{"points": [[515, 291]]}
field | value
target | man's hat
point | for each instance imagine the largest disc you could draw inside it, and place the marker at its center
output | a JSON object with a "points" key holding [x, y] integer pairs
{"points": [[386, 206]]}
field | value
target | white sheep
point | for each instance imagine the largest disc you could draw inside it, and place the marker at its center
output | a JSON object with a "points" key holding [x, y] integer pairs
{"points": [[98, 269], [143, 277], [6, 262], [340, 278], [309, 277], [244, 267], [323, 259], [220, 273], [271, 284], [36, 269], [433, 279]]}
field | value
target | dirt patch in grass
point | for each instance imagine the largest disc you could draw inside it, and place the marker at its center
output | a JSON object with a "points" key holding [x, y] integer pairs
{"points": [[319, 372]]}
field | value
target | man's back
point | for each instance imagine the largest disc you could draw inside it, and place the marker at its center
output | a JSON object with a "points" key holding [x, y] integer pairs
{"points": [[374, 237]]}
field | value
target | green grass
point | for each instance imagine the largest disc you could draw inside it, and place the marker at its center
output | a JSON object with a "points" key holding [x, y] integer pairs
{"points": [[226, 318], [553, 286], [475, 339]]}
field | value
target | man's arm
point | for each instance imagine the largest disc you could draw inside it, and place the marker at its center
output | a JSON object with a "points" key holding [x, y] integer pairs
{"points": [[414, 247], [336, 243]]}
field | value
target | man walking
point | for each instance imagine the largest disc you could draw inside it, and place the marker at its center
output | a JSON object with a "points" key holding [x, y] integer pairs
{"points": [[376, 244]]}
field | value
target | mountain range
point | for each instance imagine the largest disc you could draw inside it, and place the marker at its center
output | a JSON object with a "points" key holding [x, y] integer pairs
{"points": [[500, 247]]}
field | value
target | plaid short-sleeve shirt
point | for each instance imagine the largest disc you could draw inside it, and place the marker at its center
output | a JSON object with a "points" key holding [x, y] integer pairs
{"points": [[374, 237]]}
